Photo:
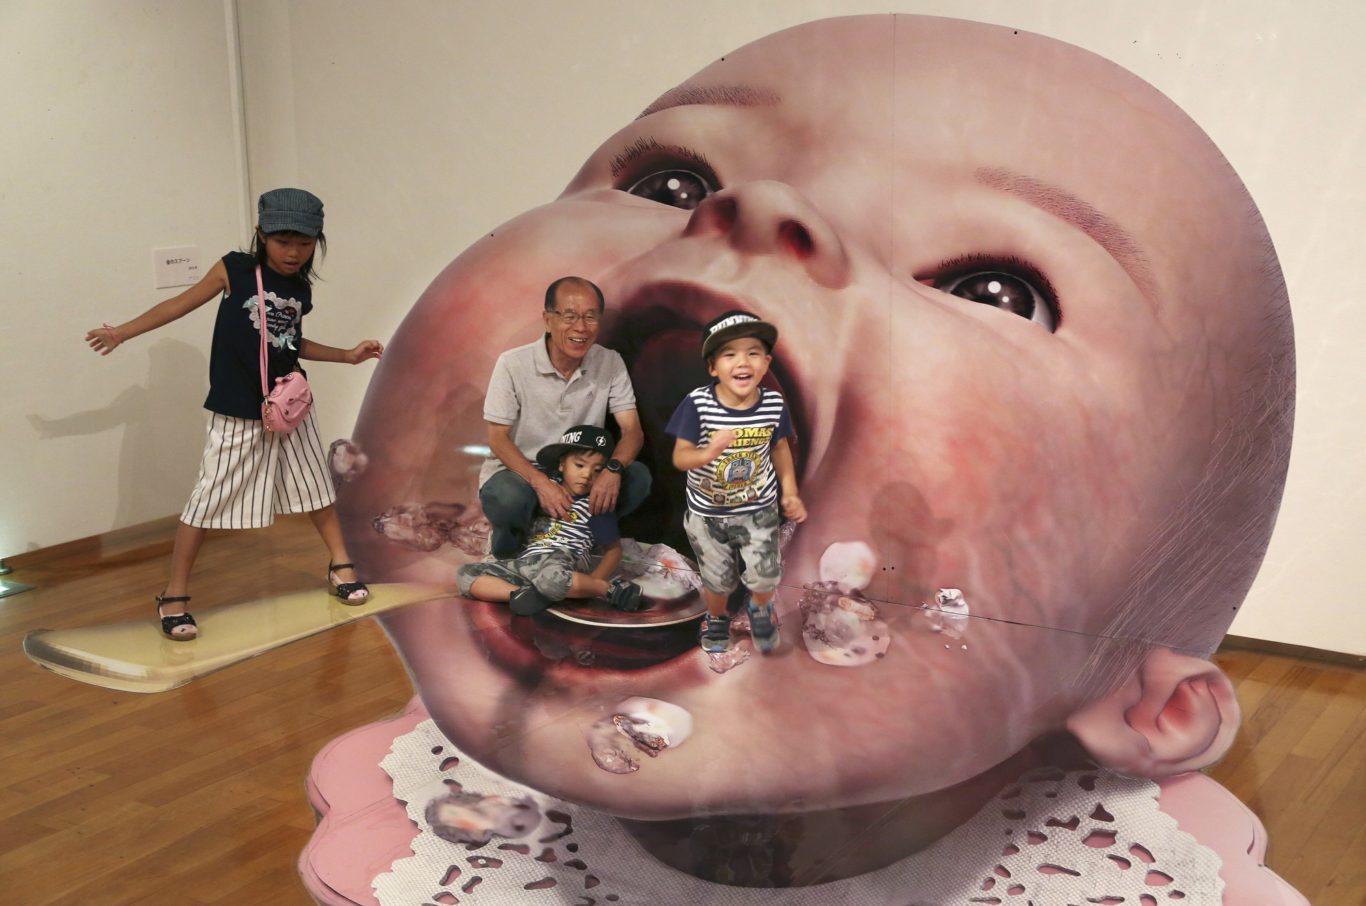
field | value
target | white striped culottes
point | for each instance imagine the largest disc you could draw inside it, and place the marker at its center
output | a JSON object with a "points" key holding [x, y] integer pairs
{"points": [[249, 474]]}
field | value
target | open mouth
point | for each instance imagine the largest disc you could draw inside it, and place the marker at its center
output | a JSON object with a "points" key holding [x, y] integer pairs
{"points": [[657, 331]]}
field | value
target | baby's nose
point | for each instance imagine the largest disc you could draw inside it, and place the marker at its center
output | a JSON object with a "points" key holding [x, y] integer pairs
{"points": [[767, 217]]}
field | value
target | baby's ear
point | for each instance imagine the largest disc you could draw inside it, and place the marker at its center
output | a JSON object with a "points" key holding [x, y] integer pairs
{"points": [[1175, 713]]}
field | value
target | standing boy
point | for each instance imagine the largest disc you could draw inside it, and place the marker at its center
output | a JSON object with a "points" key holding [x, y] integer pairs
{"points": [[733, 437], [553, 564]]}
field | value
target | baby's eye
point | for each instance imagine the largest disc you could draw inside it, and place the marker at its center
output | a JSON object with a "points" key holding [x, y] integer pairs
{"points": [[668, 174], [1022, 290], [676, 188]]}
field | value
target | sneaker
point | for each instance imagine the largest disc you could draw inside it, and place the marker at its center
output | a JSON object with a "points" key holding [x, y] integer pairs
{"points": [[763, 628], [714, 633], [624, 596], [526, 601]]}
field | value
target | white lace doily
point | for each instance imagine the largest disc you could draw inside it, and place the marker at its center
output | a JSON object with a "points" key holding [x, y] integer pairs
{"points": [[1051, 839]]}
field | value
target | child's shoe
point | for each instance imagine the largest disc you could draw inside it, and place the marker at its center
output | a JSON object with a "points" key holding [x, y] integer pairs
{"points": [[624, 596], [714, 633], [352, 593], [526, 601], [763, 628], [179, 627]]}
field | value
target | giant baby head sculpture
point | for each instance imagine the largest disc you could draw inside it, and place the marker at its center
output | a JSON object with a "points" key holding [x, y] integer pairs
{"points": [[1037, 347]]}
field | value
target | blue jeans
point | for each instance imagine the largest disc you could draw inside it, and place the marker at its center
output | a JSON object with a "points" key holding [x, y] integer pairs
{"points": [[509, 504]]}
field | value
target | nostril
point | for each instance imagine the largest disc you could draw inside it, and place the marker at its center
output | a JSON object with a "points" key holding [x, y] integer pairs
{"points": [[724, 211], [796, 238]]}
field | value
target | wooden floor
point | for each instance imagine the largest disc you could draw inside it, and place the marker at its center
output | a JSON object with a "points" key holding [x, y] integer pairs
{"points": [[196, 796]]}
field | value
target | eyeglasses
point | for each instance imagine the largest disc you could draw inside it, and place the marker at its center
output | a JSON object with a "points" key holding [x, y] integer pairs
{"points": [[570, 318]]}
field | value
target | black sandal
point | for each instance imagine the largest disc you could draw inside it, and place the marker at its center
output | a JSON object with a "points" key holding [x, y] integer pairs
{"points": [[345, 590], [169, 624]]}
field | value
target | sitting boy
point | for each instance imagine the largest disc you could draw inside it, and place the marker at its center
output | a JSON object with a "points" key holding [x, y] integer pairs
{"points": [[733, 438], [548, 569]]}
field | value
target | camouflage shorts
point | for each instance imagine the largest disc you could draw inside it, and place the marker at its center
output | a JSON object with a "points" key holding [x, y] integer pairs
{"points": [[551, 572], [723, 543]]}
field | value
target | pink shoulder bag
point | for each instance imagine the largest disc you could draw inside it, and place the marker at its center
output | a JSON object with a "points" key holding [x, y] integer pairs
{"points": [[288, 403]]}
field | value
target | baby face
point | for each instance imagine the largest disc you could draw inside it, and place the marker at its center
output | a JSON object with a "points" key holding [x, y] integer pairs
{"points": [[738, 367], [579, 470], [1014, 286]]}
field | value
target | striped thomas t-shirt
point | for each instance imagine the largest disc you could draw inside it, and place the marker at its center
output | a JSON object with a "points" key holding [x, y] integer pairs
{"points": [[742, 480], [576, 534]]}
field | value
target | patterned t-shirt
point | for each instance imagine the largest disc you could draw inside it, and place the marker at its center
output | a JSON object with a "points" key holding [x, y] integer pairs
{"points": [[741, 480], [235, 358], [576, 534]]}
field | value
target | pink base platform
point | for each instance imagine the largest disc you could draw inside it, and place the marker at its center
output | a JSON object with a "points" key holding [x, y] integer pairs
{"points": [[363, 830]]}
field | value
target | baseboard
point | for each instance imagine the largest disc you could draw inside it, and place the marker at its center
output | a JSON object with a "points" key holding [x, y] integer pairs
{"points": [[103, 545], [1242, 643]]}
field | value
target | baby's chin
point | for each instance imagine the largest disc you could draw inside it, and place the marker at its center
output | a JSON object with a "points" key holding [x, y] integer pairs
{"points": [[805, 729]]}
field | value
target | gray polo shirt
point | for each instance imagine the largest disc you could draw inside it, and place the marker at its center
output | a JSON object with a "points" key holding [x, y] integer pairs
{"points": [[527, 393]]}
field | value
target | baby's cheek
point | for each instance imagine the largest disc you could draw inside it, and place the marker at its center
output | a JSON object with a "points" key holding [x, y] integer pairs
{"points": [[961, 478], [421, 423], [492, 294], [1038, 519], [937, 708]]}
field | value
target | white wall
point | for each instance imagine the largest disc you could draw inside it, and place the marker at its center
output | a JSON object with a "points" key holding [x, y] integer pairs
{"points": [[117, 137], [423, 125]]}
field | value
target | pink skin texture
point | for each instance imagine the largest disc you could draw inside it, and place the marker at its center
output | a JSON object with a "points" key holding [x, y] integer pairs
{"points": [[854, 176]]}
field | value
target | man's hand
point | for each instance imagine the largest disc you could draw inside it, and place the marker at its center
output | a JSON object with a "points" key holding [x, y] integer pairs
{"points": [[603, 496], [554, 499]]}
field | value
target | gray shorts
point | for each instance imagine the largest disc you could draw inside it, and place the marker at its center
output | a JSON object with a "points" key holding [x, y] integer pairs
{"points": [[551, 572], [719, 541]]}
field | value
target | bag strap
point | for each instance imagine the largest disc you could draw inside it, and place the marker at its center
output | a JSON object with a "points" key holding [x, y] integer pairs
{"points": [[265, 328]]}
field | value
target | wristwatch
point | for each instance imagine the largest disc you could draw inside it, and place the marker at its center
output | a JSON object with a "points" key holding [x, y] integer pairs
{"points": [[614, 466]]}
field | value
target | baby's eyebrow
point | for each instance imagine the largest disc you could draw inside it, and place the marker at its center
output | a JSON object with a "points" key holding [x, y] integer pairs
{"points": [[1063, 204], [717, 95]]}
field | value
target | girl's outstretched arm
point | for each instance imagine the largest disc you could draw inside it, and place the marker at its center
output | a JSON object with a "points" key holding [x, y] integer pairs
{"points": [[319, 352], [215, 283]]}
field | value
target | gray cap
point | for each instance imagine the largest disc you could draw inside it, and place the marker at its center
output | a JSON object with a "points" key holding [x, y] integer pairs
{"points": [[290, 209]]}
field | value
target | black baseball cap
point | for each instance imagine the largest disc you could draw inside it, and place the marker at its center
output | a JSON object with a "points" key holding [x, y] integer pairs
{"points": [[580, 437], [732, 326]]}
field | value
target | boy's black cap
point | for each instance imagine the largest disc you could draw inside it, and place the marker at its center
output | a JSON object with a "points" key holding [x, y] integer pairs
{"points": [[580, 437], [731, 326]]}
